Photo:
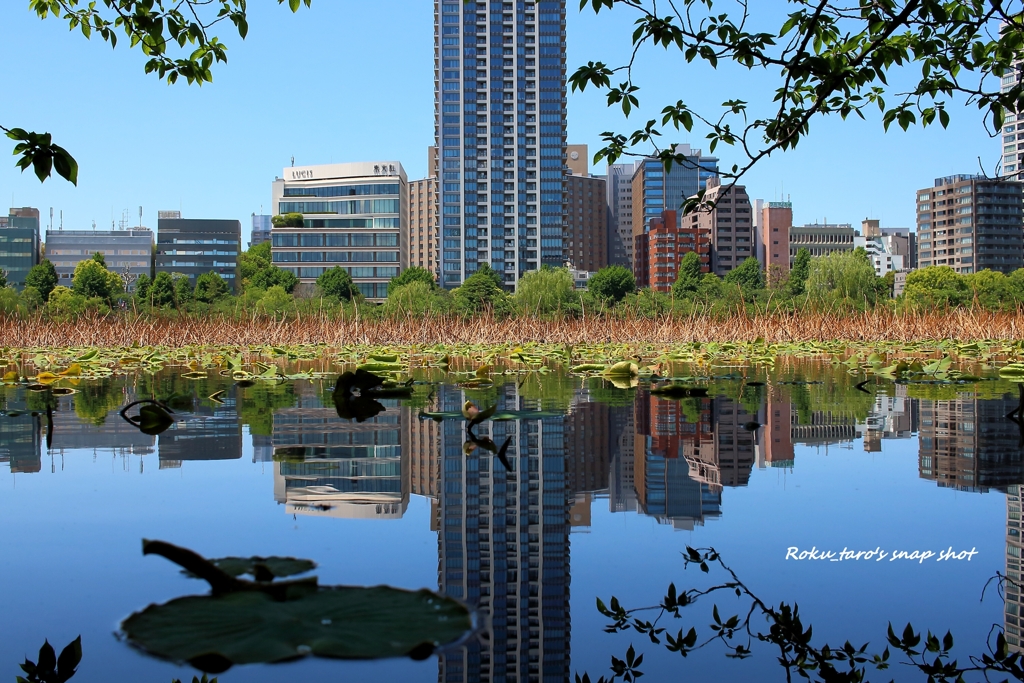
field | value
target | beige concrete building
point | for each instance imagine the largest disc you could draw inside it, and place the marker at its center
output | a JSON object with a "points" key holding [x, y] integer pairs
{"points": [[820, 239], [423, 240], [729, 223], [971, 223], [586, 219]]}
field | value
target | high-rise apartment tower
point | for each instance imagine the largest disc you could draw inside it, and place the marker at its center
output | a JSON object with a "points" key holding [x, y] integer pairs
{"points": [[500, 126]]}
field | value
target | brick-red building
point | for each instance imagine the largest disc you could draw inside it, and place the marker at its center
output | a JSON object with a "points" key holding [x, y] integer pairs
{"points": [[664, 246]]}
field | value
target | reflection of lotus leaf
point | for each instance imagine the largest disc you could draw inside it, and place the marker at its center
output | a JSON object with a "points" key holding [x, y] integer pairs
{"points": [[271, 567], [214, 633]]}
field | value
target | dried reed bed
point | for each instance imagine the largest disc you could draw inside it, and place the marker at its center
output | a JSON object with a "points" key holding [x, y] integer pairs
{"points": [[879, 325]]}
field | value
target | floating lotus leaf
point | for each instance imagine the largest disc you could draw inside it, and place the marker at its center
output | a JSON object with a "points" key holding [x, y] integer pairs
{"points": [[623, 369], [215, 633], [267, 567], [11, 377], [588, 367], [251, 623]]}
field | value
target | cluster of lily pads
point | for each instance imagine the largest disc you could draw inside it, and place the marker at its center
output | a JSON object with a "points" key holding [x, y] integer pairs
{"points": [[475, 365]]}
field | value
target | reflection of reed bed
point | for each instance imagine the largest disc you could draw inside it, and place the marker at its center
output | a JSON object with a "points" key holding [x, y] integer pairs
{"points": [[126, 329]]}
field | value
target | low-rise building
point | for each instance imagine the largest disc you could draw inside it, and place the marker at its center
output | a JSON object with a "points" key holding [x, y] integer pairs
{"points": [[126, 252], [19, 244], [355, 216], [820, 239], [193, 246]]}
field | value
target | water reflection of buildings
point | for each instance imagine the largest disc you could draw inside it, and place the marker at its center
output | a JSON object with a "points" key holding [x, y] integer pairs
{"points": [[20, 438], [1012, 589], [206, 433], [677, 458], [110, 433], [504, 543], [968, 444], [329, 466]]}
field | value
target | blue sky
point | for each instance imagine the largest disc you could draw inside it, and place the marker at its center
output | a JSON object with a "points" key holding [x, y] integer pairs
{"points": [[353, 81]]}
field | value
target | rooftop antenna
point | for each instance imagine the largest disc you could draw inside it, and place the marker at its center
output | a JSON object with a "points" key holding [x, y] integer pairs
{"points": [[140, 216], [293, 161], [51, 218], [62, 220]]}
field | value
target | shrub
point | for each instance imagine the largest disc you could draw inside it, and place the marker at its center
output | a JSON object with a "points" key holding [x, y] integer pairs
{"points": [[544, 291], [410, 275], [612, 283]]}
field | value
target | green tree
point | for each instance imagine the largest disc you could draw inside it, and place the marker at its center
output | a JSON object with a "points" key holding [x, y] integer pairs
{"points": [[91, 279], [410, 275], [841, 276], [289, 220], [826, 57], [338, 283], [689, 276], [210, 287], [276, 301], [545, 291], [184, 292], [748, 275], [991, 290], [3, 278], [43, 277], [797, 282], [612, 284], [258, 271], [935, 286], [175, 38], [142, 286], [710, 288], [161, 292], [480, 290], [416, 299], [99, 258]]}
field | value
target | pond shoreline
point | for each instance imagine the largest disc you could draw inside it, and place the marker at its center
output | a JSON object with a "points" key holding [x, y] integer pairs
{"points": [[127, 329]]}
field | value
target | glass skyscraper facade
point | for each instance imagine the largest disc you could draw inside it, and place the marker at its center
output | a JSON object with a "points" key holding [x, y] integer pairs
{"points": [[500, 127]]}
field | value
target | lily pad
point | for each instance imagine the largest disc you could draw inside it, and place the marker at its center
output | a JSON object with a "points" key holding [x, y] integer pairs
{"points": [[262, 568], [251, 623]]}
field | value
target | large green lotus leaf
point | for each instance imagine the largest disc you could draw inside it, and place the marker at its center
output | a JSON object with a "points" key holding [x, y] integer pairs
{"points": [[250, 627]]}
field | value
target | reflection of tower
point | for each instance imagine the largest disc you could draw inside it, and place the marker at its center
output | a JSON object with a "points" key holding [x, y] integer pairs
{"points": [[421, 446], [326, 465], [677, 475], [587, 455], [504, 545], [621, 494], [20, 441], [777, 434], [968, 444], [734, 444], [1014, 546]]}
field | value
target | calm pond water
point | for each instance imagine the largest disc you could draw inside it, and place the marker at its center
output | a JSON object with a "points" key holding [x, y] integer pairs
{"points": [[609, 487]]}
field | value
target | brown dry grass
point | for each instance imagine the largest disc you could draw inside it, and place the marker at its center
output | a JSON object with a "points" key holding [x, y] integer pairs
{"points": [[125, 330]]}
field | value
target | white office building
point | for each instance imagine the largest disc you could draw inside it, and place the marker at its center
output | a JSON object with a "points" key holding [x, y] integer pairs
{"points": [[355, 216]]}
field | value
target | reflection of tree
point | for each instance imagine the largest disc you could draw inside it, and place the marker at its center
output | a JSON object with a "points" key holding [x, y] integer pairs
{"points": [[553, 391], [603, 391], [792, 640], [256, 405], [97, 398]]}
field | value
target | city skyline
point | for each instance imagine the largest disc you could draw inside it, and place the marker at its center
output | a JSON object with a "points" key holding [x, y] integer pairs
{"points": [[243, 155]]}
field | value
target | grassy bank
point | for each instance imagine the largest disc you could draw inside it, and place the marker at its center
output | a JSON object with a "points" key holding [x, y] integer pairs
{"points": [[126, 329]]}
